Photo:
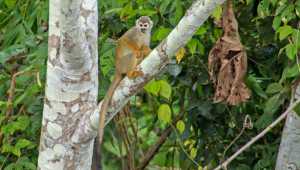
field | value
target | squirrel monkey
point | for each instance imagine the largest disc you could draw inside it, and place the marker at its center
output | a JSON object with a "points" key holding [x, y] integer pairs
{"points": [[131, 48]]}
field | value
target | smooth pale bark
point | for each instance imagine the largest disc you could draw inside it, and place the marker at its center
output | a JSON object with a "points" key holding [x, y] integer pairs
{"points": [[72, 84], [289, 152], [159, 57]]}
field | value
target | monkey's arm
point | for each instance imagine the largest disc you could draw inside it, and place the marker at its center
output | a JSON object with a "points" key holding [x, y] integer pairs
{"points": [[145, 50], [132, 45]]}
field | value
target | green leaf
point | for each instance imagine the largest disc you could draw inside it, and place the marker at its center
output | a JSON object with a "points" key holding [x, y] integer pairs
{"points": [[297, 109], [296, 37], [273, 2], [192, 45], [180, 126], [254, 85], [174, 19], [202, 30], [284, 31], [21, 124], [11, 51], [217, 14], [276, 22], [201, 48], [30, 91], [114, 149], [28, 165], [297, 8], [263, 8], [164, 113], [160, 159], [272, 104], [195, 45], [11, 166], [161, 33], [107, 52], [243, 167], [264, 121], [280, 8], [274, 88], [291, 51], [10, 3], [128, 12], [7, 148], [23, 143], [147, 12], [165, 89], [153, 87], [288, 13], [163, 6], [290, 72], [17, 152], [193, 153]]}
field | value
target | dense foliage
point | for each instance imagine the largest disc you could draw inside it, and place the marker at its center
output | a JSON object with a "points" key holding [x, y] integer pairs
{"points": [[269, 30]]}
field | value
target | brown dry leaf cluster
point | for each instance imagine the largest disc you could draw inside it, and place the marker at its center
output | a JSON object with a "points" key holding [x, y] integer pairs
{"points": [[227, 63]]}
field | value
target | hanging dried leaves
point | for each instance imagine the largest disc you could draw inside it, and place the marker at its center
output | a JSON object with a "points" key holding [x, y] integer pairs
{"points": [[227, 63]]}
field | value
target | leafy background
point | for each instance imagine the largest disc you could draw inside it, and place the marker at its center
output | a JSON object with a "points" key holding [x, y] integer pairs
{"points": [[269, 30]]}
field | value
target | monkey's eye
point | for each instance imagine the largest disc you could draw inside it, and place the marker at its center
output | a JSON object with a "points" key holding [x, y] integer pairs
{"points": [[145, 25], [141, 25]]}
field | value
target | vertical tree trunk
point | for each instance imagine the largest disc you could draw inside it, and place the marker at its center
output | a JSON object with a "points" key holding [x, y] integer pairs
{"points": [[70, 116], [289, 152], [72, 84]]}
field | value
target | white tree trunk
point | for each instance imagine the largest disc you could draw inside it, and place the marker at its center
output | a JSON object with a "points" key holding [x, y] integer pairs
{"points": [[72, 84], [70, 117], [289, 152]]}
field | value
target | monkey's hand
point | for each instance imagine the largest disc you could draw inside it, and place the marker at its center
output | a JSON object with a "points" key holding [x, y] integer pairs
{"points": [[145, 50], [138, 54], [134, 73]]}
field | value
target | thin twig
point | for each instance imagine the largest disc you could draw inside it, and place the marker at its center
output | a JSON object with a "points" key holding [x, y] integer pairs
{"points": [[4, 161], [123, 132], [155, 148], [11, 92], [247, 124], [184, 151], [260, 135]]}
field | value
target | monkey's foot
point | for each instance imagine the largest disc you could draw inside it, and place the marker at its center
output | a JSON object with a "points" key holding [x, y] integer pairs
{"points": [[135, 73]]}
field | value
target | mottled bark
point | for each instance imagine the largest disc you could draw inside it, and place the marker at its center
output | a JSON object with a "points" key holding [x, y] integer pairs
{"points": [[289, 152], [72, 84], [70, 117]]}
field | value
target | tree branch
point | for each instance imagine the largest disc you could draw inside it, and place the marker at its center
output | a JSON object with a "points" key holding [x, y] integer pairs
{"points": [[159, 57]]}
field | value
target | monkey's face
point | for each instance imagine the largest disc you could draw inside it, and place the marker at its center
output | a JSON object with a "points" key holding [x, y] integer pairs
{"points": [[144, 24]]}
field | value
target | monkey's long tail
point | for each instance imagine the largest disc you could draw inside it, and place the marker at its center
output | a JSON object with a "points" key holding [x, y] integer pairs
{"points": [[105, 104]]}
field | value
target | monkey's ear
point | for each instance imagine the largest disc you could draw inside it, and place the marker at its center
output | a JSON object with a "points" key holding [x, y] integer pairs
{"points": [[137, 22], [151, 23]]}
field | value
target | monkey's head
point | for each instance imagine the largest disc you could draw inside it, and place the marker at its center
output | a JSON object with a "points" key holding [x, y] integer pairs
{"points": [[144, 24]]}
